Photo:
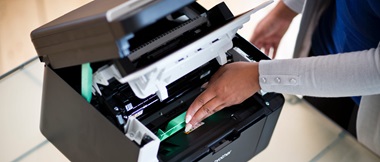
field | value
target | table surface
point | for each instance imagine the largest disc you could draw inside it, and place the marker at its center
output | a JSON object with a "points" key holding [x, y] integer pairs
{"points": [[301, 134]]}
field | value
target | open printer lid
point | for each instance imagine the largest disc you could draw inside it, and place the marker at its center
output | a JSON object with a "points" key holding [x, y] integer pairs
{"points": [[90, 33], [167, 47]]}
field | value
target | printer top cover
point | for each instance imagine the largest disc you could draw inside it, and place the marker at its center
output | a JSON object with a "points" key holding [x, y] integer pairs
{"points": [[89, 33]]}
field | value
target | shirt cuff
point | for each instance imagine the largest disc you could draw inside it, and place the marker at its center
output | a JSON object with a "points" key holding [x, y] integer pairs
{"points": [[274, 77], [295, 5]]}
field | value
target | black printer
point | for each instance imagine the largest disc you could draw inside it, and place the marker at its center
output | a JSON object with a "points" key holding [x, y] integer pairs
{"points": [[119, 76]]}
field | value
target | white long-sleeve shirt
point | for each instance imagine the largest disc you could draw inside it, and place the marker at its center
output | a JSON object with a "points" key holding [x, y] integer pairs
{"points": [[350, 74], [340, 75]]}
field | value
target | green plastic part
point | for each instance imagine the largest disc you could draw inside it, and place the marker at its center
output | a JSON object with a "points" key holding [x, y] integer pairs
{"points": [[173, 127], [86, 84]]}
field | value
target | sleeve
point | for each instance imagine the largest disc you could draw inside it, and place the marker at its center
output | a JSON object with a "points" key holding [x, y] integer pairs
{"points": [[348, 74], [295, 5]]}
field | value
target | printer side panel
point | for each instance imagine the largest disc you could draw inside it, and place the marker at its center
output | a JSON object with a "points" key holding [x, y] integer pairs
{"points": [[266, 134], [78, 130]]}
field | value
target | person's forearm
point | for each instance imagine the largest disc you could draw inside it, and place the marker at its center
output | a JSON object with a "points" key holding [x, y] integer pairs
{"points": [[270, 30], [356, 73]]}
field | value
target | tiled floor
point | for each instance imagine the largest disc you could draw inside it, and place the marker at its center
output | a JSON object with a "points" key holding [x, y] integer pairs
{"points": [[18, 18], [301, 134], [20, 112]]}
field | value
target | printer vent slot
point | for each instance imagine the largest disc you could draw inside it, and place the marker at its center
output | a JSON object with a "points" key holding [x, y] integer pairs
{"points": [[170, 35], [168, 42]]}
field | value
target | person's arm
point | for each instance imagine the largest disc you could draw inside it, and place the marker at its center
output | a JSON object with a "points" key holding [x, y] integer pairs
{"points": [[269, 32], [351, 74], [231, 84]]}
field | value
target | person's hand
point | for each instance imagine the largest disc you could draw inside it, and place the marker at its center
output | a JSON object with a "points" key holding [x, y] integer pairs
{"points": [[269, 32], [231, 84]]}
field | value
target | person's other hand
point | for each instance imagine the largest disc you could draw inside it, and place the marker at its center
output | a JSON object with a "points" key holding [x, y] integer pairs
{"points": [[231, 84], [269, 32]]}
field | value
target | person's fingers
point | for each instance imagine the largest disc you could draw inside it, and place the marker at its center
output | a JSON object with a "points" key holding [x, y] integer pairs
{"points": [[205, 111], [259, 35], [202, 99], [204, 85], [258, 45], [267, 49], [256, 36], [253, 39], [233, 86], [256, 41], [218, 108]]}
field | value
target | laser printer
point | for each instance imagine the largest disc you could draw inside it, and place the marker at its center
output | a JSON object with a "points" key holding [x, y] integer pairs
{"points": [[119, 76]]}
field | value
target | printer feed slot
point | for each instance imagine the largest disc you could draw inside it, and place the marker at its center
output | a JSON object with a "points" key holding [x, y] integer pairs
{"points": [[172, 28]]}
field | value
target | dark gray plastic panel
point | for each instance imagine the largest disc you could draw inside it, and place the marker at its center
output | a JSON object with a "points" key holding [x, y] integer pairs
{"points": [[85, 35], [77, 129], [242, 149]]}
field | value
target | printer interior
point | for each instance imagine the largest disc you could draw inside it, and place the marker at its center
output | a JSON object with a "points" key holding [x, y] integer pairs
{"points": [[117, 101]]}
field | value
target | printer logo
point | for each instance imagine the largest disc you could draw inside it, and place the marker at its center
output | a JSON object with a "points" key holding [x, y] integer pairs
{"points": [[223, 156]]}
